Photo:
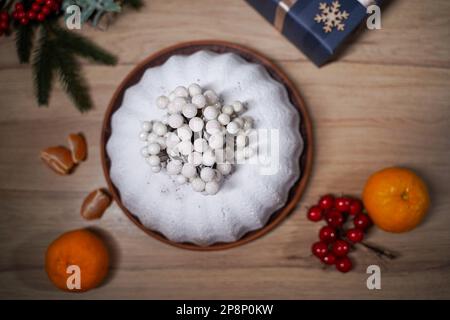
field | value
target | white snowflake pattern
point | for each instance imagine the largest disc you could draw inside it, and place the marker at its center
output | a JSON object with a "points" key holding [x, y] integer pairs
{"points": [[331, 16]]}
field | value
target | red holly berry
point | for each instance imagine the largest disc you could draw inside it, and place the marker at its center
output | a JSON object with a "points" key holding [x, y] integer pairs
{"points": [[344, 264], [49, 3], [40, 17], [4, 16], [340, 248], [355, 235], [15, 15], [361, 221], [20, 15], [315, 213], [40, 1], [355, 207], [32, 15], [334, 218], [19, 6], [329, 259], [46, 10], [24, 21], [319, 249], [327, 234], [4, 25], [342, 204], [35, 7], [326, 202]]}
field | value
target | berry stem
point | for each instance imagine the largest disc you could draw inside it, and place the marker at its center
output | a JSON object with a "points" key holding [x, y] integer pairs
{"points": [[380, 252]]}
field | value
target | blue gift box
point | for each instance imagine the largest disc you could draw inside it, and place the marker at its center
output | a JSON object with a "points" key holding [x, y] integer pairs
{"points": [[316, 27]]}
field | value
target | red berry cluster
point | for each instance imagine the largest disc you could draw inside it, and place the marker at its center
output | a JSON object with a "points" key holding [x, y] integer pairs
{"points": [[40, 10], [335, 241], [4, 22]]}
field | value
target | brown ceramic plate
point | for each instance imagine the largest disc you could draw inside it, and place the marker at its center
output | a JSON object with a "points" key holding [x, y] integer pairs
{"points": [[186, 48]]}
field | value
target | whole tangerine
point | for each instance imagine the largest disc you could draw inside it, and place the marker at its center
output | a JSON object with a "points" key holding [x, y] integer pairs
{"points": [[396, 199], [81, 248]]}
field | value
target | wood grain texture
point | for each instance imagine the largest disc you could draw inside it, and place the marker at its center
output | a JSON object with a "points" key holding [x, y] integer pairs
{"points": [[385, 102]]}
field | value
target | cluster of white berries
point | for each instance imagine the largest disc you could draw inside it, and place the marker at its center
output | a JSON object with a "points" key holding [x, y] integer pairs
{"points": [[195, 142]]}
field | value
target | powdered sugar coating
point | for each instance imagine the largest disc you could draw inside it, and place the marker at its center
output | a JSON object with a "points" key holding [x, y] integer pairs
{"points": [[246, 199]]}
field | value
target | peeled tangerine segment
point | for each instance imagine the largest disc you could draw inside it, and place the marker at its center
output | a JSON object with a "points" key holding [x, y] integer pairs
{"points": [[246, 199]]}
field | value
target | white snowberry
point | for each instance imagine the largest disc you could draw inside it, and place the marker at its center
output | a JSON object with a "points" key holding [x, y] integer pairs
{"points": [[153, 160], [159, 128], [207, 174], [189, 110], [184, 132], [233, 127], [224, 119], [143, 135], [237, 106], [188, 170], [199, 100], [213, 126], [181, 92], [154, 148], [152, 137], [227, 109], [174, 167], [175, 120], [212, 187], [180, 179], [224, 168], [198, 184], [216, 141], [144, 152], [162, 102], [209, 158], [211, 97], [195, 158], [185, 147], [172, 140], [210, 113], [156, 169], [200, 145], [146, 126], [172, 96], [241, 141], [196, 124], [194, 89], [179, 102]]}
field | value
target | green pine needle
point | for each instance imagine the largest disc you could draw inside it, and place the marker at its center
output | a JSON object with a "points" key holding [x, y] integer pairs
{"points": [[135, 4], [72, 80], [24, 42], [83, 47], [43, 68]]}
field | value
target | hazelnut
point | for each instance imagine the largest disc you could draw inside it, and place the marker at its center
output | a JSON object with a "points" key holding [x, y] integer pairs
{"points": [[78, 146], [59, 159], [95, 204]]}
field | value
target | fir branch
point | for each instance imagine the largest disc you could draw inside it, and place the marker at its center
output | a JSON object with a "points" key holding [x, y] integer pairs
{"points": [[43, 68], [24, 42], [71, 79], [83, 47], [135, 4]]}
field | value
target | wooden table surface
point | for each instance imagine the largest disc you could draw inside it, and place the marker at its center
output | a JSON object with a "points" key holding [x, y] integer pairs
{"points": [[385, 102]]}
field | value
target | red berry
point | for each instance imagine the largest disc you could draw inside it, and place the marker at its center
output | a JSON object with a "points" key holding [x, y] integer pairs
{"points": [[55, 7], [49, 2], [329, 259], [340, 248], [19, 6], [327, 234], [24, 21], [344, 264], [4, 25], [326, 202], [40, 1], [334, 218], [319, 249], [361, 221], [35, 7], [40, 17], [15, 15], [20, 15], [4, 16], [315, 213], [355, 207], [46, 10], [355, 235], [342, 204], [32, 15]]}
